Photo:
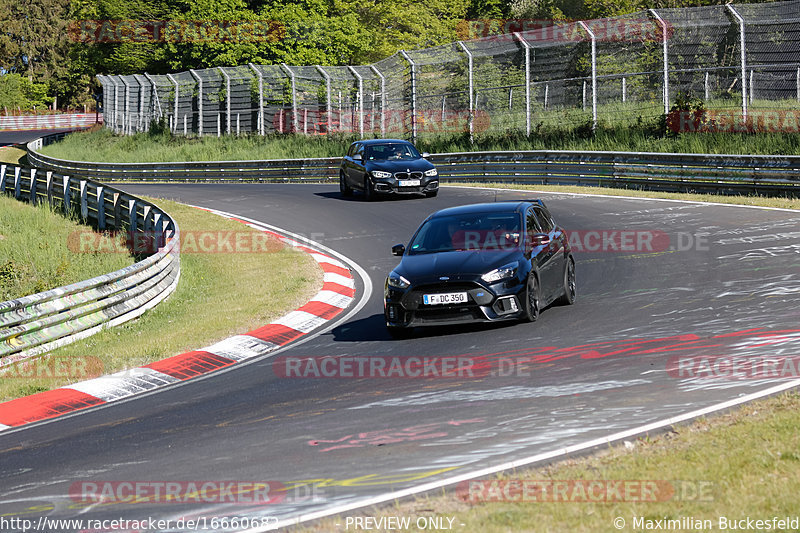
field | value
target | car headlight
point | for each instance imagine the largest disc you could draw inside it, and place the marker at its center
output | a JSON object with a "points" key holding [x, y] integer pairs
{"points": [[397, 281], [381, 174], [431, 172], [505, 271]]}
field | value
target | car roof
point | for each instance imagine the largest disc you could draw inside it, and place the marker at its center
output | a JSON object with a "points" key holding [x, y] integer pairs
{"points": [[381, 141], [494, 207]]}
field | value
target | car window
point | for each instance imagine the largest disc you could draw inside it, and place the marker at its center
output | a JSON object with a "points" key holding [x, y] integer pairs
{"points": [[544, 219], [481, 231], [533, 225], [360, 150], [352, 150], [391, 151]]}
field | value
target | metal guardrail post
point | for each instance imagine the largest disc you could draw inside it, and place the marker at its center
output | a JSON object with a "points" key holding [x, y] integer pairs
{"points": [[260, 98], [17, 182], [470, 88], [199, 102], [227, 99], [295, 118], [360, 100], [665, 52], [743, 57], [594, 73], [524, 43], [328, 100], [154, 93], [175, 103], [3, 169], [383, 98], [413, 95]]}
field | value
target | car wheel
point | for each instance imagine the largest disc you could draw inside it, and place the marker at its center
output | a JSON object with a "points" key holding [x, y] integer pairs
{"points": [[532, 300], [344, 188], [432, 194], [570, 287], [369, 194], [400, 333]]}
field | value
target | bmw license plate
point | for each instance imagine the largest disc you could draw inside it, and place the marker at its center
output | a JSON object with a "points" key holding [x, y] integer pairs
{"points": [[445, 298], [408, 183]]}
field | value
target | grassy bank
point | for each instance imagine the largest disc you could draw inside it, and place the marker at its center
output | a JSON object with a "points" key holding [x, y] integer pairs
{"points": [[35, 255], [219, 294], [11, 154], [104, 146], [738, 465]]}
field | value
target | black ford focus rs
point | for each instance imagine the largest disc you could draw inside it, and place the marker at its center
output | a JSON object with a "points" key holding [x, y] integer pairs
{"points": [[480, 263], [385, 167]]}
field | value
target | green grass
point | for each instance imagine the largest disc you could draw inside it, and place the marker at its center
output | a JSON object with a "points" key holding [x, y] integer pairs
{"points": [[10, 154], [621, 127], [745, 463], [219, 295], [35, 254]]}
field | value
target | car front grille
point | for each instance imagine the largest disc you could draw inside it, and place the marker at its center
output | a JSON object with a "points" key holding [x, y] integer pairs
{"points": [[408, 175]]}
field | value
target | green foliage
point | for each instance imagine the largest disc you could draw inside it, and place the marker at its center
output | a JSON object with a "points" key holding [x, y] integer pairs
{"points": [[18, 91]]}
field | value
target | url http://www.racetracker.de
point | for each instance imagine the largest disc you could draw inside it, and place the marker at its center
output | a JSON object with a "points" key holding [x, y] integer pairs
{"points": [[44, 524]]}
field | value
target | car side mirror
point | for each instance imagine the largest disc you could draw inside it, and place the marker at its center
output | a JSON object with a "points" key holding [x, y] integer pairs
{"points": [[536, 240], [357, 157], [398, 249], [425, 155]]}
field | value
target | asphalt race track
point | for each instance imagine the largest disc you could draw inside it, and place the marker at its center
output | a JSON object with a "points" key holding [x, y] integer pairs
{"points": [[704, 280]]}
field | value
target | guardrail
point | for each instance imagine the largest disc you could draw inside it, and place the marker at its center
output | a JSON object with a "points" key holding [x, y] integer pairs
{"points": [[40, 322], [724, 174], [53, 121]]}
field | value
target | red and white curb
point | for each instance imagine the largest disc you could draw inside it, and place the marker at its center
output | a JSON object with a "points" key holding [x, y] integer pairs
{"points": [[337, 293]]}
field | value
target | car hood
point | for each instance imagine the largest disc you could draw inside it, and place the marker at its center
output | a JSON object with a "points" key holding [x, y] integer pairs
{"points": [[457, 265], [407, 165]]}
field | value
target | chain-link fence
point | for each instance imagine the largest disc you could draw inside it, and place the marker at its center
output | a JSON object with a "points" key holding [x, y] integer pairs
{"points": [[739, 59]]}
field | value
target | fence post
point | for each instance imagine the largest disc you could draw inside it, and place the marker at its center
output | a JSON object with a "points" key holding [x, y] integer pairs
{"points": [[383, 98], [751, 87], [32, 191], [175, 102], [524, 43], [360, 100], [17, 182], [665, 52], [470, 87], [199, 103], [126, 116], [594, 74], [706, 87], [260, 98], [66, 192], [294, 96], [154, 97], [798, 84], [624, 91], [743, 58], [101, 208], [227, 99], [413, 95], [328, 102], [84, 200]]}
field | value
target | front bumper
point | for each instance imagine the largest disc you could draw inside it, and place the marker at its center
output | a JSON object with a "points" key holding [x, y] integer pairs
{"points": [[485, 303], [390, 186]]}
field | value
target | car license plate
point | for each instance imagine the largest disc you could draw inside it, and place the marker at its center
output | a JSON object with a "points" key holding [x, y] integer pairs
{"points": [[408, 183], [446, 298]]}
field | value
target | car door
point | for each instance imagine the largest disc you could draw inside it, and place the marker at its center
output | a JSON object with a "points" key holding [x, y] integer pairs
{"points": [[357, 172], [541, 256], [555, 251]]}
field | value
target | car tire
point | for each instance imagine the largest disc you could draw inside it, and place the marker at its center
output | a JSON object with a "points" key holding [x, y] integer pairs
{"points": [[369, 193], [532, 300], [344, 188], [570, 287], [400, 333], [432, 194]]}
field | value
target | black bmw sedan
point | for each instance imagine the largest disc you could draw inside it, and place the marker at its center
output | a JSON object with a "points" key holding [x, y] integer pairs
{"points": [[480, 263], [387, 166]]}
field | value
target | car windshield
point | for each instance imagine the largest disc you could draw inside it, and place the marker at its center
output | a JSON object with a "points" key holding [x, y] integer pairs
{"points": [[391, 151], [478, 231]]}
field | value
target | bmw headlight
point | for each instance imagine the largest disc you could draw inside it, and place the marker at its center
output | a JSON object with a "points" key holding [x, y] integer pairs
{"points": [[504, 272], [397, 281], [381, 174], [431, 172]]}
